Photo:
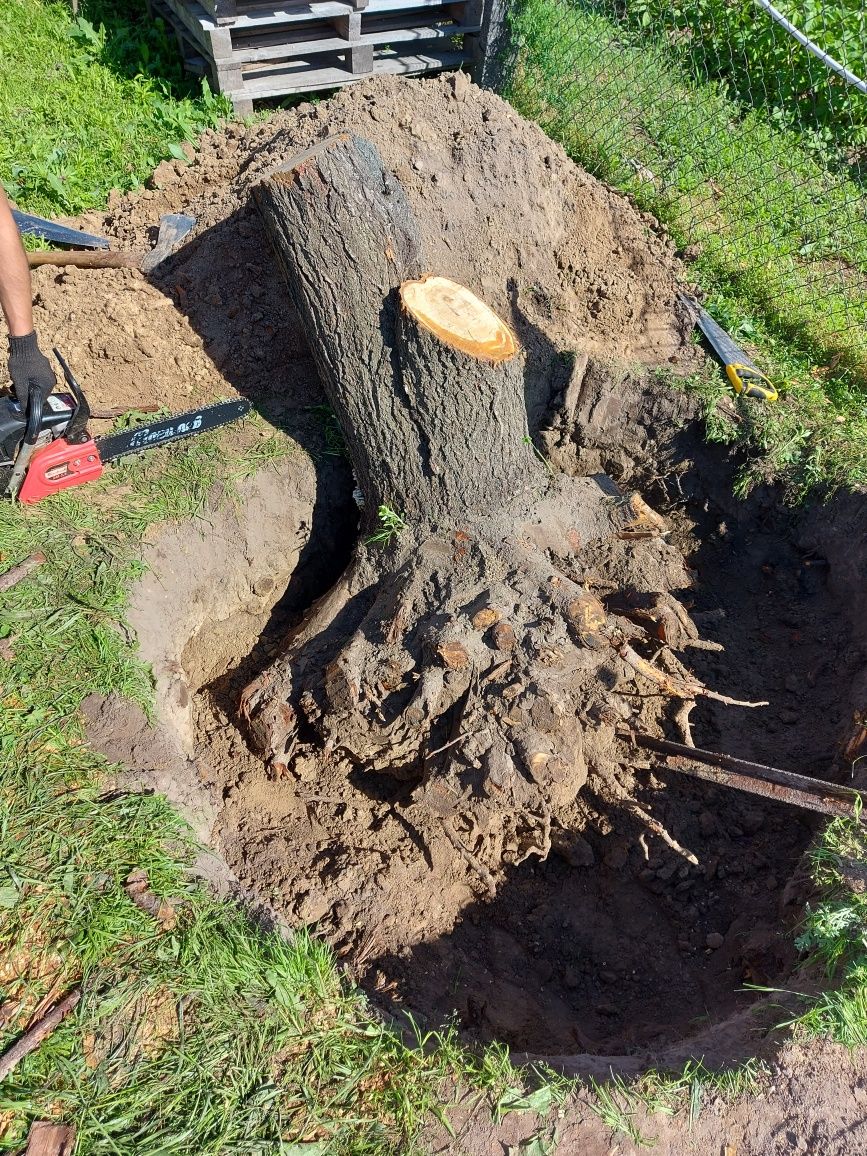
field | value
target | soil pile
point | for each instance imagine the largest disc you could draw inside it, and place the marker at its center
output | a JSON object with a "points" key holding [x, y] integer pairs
{"points": [[568, 262]]}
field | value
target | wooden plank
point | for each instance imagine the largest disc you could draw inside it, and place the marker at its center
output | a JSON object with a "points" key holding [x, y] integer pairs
{"points": [[289, 81], [361, 60], [312, 10], [313, 40], [47, 1139], [300, 41], [392, 33]]}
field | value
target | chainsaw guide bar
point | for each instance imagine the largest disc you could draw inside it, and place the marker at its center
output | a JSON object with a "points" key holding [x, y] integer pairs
{"points": [[48, 448], [170, 429]]}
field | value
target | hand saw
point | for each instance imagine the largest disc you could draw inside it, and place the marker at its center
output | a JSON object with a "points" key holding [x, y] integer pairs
{"points": [[48, 448], [745, 377]]}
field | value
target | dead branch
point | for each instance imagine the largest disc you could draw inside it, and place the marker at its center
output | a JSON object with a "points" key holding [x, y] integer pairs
{"points": [[16, 573], [34, 1036], [86, 259]]}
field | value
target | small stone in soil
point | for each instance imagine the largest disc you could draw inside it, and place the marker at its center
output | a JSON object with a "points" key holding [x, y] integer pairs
{"points": [[616, 858], [573, 848], [715, 940]]}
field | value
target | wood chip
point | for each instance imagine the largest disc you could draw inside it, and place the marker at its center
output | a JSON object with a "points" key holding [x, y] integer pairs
{"points": [[453, 655], [47, 1139], [504, 637], [642, 518], [484, 618]]}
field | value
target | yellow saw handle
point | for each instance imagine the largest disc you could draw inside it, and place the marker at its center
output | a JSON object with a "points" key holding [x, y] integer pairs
{"points": [[751, 382]]}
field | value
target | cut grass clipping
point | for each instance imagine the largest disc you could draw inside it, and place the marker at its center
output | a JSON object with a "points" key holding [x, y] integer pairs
{"points": [[91, 102], [779, 243]]}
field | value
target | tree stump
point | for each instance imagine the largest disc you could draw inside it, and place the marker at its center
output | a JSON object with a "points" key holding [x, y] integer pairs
{"points": [[459, 650]]}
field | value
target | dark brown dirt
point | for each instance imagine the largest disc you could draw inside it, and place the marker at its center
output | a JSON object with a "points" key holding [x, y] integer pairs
{"points": [[813, 1103], [614, 944], [614, 949]]}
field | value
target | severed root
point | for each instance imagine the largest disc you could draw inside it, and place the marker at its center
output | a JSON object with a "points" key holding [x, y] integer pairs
{"points": [[677, 688], [681, 721], [658, 829], [467, 855]]}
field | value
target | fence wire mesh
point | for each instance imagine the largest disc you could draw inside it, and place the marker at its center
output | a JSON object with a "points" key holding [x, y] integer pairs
{"points": [[741, 126]]}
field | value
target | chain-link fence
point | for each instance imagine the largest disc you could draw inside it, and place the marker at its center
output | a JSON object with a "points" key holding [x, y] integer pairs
{"points": [[743, 128]]}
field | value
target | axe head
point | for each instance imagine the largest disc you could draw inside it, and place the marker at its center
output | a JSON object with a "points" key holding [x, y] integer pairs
{"points": [[173, 228]]}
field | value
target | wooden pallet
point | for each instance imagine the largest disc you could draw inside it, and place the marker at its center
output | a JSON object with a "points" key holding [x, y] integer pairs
{"points": [[272, 51], [229, 11]]}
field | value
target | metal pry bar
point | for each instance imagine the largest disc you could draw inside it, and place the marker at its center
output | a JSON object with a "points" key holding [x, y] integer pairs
{"points": [[757, 779]]}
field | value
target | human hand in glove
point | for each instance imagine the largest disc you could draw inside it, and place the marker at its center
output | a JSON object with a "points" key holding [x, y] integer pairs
{"points": [[29, 366]]}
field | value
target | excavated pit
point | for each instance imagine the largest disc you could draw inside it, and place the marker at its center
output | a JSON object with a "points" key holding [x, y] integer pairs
{"points": [[614, 946]]}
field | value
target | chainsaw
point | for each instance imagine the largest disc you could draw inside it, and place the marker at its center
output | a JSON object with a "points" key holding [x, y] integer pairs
{"points": [[48, 448]]}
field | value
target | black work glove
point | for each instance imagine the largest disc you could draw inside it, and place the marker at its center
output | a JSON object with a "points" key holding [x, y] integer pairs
{"points": [[28, 365]]}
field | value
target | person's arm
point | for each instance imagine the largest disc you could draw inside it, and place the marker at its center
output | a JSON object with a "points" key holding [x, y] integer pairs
{"points": [[27, 365], [15, 297]]}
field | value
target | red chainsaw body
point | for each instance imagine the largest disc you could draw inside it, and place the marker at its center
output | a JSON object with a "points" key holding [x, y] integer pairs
{"points": [[59, 466]]}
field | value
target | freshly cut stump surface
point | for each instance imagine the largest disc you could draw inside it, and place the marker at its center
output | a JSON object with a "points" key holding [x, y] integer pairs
{"points": [[456, 316]]}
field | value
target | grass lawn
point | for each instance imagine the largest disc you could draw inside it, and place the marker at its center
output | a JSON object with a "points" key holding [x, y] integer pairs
{"points": [[91, 103], [779, 240]]}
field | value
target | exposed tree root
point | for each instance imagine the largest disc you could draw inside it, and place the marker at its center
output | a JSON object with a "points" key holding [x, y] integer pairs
{"points": [[469, 655]]}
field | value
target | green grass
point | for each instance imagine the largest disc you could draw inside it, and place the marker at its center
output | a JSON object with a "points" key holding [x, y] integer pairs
{"points": [[780, 240], [618, 1102], [834, 935], [91, 103]]}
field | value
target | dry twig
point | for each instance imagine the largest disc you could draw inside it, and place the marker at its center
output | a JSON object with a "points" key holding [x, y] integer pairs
{"points": [[34, 1036], [15, 573]]}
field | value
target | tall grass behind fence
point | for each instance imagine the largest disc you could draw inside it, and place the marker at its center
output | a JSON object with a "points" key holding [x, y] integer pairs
{"points": [[716, 118]]}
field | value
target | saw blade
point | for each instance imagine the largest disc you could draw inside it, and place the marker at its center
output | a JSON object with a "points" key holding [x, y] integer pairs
{"points": [[170, 429], [723, 344]]}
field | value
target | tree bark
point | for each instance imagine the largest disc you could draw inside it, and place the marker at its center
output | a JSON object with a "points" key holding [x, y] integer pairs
{"points": [[346, 239], [459, 650]]}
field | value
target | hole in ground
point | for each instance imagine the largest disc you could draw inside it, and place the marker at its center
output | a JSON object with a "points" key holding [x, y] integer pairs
{"points": [[615, 944]]}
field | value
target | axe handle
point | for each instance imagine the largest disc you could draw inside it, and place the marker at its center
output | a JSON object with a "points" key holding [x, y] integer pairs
{"points": [[86, 259]]}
